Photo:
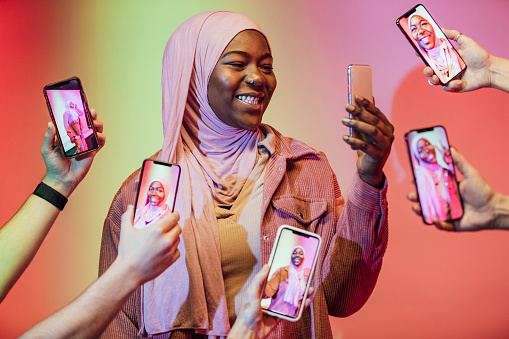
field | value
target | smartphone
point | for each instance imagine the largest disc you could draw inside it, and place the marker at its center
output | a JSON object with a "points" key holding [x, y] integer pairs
{"points": [[68, 108], [157, 192], [431, 44], [434, 174], [359, 83], [292, 263]]}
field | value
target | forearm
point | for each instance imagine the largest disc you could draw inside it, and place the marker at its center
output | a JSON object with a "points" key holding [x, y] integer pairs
{"points": [[355, 259], [21, 237], [89, 314], [364, 219], [499, 72], [501, 218]]}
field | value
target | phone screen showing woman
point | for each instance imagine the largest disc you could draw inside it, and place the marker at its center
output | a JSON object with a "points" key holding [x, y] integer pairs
{"points": [[157, 192], [431, 43], [292, 263], [71, 117], [434, 173]]}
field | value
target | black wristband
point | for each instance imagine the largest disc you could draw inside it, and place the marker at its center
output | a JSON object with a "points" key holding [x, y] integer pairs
{"points": [[50, 195]]}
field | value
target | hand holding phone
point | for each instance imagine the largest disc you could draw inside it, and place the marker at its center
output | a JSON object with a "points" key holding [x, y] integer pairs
{"points": [[292, 261], [157, 192], [68, 108], [434, 174], [431, 44]]}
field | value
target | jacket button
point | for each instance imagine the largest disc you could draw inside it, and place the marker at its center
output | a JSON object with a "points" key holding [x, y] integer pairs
{"points": [[265, 237]]}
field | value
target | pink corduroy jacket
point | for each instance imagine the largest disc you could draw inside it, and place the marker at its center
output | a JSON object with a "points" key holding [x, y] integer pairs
{"points": [[301, 190]]}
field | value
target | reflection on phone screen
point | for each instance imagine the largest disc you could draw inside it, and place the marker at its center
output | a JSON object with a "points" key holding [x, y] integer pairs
{"points": [[431, 43], [289, 273], [74, 127], [434, 175], [157, 192]]}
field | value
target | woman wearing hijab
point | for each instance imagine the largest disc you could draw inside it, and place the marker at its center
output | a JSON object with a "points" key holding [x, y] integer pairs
{"points": [[240, 181], [438, 194], [155, 206], [437, 51], [287, 285], [74, 126]]}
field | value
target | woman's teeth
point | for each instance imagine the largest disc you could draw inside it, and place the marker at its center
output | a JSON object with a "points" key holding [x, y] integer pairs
{"points": [[249, 99]]}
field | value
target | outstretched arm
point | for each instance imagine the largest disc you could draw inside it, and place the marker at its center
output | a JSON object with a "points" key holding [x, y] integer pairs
{"points": [[143, 255], [21, 237]]}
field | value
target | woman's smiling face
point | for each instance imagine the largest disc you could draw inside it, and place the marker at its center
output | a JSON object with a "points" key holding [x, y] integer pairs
{"points": [[297, 256], [242, 82], [156, 194], [426, 151], [423, 32]]}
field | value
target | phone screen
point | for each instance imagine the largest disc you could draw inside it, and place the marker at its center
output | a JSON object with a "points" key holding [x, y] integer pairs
{"points": [[156, 193], [430, 42], [292, 263], [70, 114], [434, 174]]}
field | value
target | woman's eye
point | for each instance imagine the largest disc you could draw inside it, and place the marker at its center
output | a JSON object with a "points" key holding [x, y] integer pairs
{"points": [[267, 68], [237, 64]]}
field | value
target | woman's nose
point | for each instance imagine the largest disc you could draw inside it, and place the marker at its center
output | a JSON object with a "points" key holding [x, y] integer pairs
{"points": [[254, 78]]}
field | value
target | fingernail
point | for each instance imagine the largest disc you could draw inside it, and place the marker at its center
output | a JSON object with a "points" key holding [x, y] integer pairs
{"points": [[345, 137], [346, 121]]}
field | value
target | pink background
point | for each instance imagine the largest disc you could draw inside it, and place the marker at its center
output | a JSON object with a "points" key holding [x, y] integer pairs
{"points": [[433, 284]]}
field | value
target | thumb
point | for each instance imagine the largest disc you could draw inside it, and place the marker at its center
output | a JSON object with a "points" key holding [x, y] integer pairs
{"points": [[260, 277], [49, 137], [461, 163], [127, 218], [450, 33], [168, 222]]}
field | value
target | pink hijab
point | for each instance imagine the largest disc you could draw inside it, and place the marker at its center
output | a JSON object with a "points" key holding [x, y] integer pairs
{"points": [[215, 159]]}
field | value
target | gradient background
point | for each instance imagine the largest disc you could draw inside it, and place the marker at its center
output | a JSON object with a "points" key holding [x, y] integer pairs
{"points": [[432, 284]]}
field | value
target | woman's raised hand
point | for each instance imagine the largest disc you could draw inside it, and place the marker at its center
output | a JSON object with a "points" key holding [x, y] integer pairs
{"points": [[373, 152]]}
